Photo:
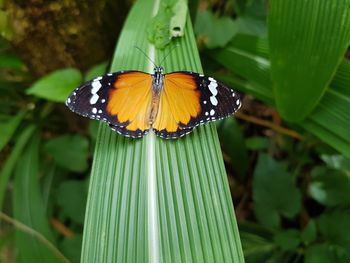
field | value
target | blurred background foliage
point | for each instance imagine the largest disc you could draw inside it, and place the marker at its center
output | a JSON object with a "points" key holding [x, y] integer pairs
{"points": [[286, 152]]}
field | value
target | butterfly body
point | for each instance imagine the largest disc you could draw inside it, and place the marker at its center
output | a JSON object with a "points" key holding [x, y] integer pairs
{"points": [[173, 104], [157, 86]]}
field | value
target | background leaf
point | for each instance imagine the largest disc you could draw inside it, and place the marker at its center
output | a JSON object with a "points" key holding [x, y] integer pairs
{"points": [[57, 85], [72, 247], [288, 240], [29, 208], [270, 185], [309, 233], [10, 163], [330, 187], [233, 144], [8, 128], [71, 197], [335, 228], [95, 71], [248, 57], [303, 60], [69, 151], [214, 31]]}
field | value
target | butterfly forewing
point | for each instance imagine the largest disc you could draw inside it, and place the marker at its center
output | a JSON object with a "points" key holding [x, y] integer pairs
{"points": [[121, 99]]}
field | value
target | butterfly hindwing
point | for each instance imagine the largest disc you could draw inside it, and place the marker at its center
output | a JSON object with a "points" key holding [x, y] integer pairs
{"points": [[217, 101], [189, 99], [121, 99], [128, 133]]}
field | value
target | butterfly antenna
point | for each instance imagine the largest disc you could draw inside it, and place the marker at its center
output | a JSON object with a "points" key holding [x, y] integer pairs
{"points": [[168, 54], [145, 55]]}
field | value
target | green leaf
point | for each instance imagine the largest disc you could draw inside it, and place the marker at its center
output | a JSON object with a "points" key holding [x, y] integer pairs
{"points": [[29, 207], [321, 253], [57, 85], [11, 161], [69, 151], [307, 40], [214, 31], [232, 141], [334, 226], [256, 248], [71, 197], [257, 143], [330, 187], [270, 184], [337, 162], [71, 247], [309, 233], [8, 128], [247, 56], [9, 60], [288, 240], [251, 26], [155, 200], [253, 20], [97, 70]]}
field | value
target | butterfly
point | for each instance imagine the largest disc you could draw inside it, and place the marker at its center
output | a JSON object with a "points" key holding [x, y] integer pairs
{"points": [[173, 104]]}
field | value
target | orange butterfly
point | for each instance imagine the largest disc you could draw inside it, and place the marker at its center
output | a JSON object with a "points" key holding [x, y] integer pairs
{"points": [[133, 102]]}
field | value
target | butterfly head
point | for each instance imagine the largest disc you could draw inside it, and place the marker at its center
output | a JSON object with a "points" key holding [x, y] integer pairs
{"points": [[158, 70]]}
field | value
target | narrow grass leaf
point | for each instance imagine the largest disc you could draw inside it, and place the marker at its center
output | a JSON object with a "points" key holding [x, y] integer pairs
{"points": [[8, 166], [8, 128], [29, 207]]}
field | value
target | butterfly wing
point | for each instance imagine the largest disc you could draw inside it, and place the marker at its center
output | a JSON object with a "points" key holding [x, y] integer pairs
{"points": [[189, 99], [121, 99]]}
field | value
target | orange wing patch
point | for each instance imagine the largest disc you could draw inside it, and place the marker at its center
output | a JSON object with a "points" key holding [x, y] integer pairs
{"points": [[130, 100], [179, 102]]}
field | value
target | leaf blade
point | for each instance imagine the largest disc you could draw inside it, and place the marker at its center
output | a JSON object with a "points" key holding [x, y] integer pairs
{"points": [[117, 217], [307, 42]]}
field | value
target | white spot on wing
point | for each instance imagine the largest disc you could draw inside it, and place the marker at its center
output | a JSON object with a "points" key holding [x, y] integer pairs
{"points": [[211, 79], [212, 112], [205, 102], [94, 99], [206, 113], [98, 78], [212, 87], [94, 110], [213, 100], [96, 85], [103, 101]]}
